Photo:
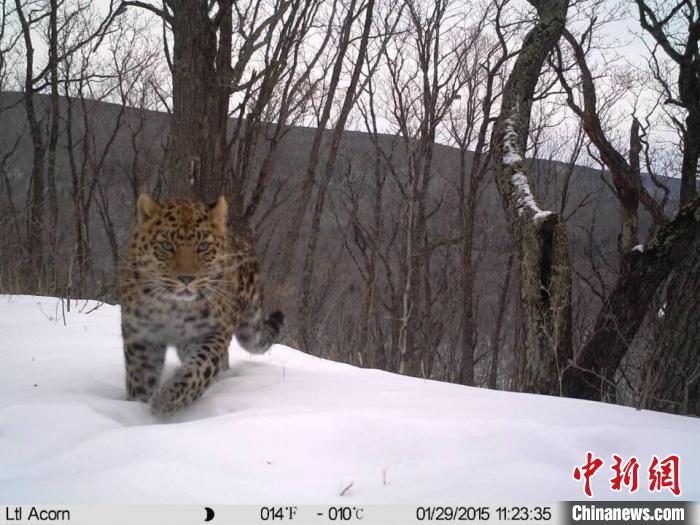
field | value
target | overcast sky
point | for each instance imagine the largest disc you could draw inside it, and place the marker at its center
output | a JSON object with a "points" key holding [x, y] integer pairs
{"points": [[622, 33]]}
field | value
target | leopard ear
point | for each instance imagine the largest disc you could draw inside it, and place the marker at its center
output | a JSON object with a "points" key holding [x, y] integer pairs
{"points": [[219, 214], [146, 207]]}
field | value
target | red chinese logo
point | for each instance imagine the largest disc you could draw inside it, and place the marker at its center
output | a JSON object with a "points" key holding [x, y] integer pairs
{"points": [[663, 473], [589, 469], [627, 475]]}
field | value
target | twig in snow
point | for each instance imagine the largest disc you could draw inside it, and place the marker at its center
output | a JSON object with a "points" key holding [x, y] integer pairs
{"points": [[346, 489], [99, 305]]}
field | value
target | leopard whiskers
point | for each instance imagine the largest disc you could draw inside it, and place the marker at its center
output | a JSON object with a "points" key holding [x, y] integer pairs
{"points": [[216, 293]]}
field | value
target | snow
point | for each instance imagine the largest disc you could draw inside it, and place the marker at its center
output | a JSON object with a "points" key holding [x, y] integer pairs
{"points": [[541, 215], [510, 148], [287, 427], [511, 157], [525, 199]]}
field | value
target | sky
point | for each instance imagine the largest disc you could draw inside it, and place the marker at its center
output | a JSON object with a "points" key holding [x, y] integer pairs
{"points": [[620, 34]]}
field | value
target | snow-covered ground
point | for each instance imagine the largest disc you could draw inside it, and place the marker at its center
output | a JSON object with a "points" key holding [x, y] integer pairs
{"points": [[288, 427]]}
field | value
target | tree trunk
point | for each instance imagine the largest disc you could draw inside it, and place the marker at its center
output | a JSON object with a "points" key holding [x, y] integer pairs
{"points": [[467, 212], [689, 91], [53, 140], [625, 308], [691, 152], [677, 361], [35, 245], [200, 102], [496, 337], [540, 236]]}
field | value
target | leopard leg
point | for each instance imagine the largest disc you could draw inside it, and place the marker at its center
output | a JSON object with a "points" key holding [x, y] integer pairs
{"points": [[203, 360], [144, 365], [182, 355], [256, 334]]}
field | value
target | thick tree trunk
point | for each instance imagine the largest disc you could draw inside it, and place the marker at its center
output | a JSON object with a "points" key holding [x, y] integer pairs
{"points": [[689, 90], [200, 104], [677, 361], [624, 310], [540, 236], [691, 152]]}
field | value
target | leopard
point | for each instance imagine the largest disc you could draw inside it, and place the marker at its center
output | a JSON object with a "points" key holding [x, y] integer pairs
{"points": [[187, 282]]}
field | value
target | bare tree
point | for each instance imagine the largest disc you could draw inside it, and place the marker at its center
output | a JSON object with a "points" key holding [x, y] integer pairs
{"points": [[484, 61], [626, 175], [641, 274], [676, 30], [35, 244], [343, 47], [63, 42], [204, 77], [304, 317], [540, 236], [12, 251]]}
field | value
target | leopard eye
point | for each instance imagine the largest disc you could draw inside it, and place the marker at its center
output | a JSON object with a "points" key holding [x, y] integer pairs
{"points": [[167, 246], [203, 247]]}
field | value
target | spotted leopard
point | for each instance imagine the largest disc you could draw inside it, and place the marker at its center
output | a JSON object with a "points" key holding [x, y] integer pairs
{"points": [[187, 282]]}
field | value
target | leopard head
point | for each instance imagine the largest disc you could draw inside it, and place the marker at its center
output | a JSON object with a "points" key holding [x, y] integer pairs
{"points": [[179, 248]]}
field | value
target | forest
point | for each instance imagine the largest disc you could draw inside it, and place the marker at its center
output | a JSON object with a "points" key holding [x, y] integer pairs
{"points": [[499, 194]]}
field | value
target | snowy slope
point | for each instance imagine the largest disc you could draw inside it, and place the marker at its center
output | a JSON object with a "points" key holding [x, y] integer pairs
{"points": [[287, 427]]}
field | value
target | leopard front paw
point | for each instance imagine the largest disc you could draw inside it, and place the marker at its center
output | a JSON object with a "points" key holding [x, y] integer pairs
{"points": [[163, 403]]}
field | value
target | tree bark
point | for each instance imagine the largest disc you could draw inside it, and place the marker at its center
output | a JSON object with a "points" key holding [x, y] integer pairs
{"points": [[627, 304], [195, 128], [540, 236], [677, 361]]}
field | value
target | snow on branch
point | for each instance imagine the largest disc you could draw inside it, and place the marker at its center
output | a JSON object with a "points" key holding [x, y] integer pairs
{"points": [[524, 198], [512, 157]]}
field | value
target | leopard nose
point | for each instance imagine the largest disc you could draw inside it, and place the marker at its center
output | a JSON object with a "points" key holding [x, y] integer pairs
{"points": [[186, 279]]}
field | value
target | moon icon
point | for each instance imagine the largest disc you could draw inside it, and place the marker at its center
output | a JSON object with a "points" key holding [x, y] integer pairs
{"points": [[210, 514]]}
